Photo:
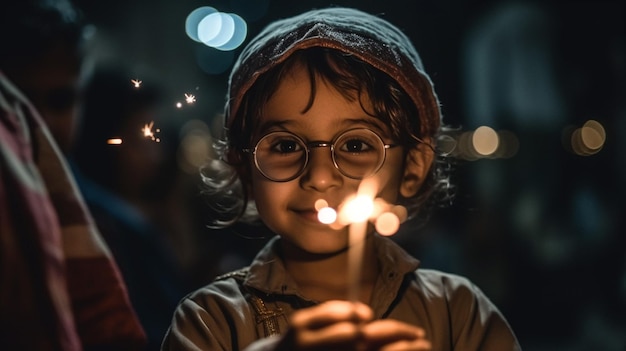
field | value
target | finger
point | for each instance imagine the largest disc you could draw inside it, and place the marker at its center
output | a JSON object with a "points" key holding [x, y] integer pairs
{"points": [[387, 331], [340, 336], [403, 345], [331, 312]]}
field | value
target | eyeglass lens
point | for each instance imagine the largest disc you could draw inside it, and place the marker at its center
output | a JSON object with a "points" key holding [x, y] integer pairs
{"points": [[282, 156]]}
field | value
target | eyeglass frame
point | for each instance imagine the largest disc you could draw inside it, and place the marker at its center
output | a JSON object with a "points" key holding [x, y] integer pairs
{"points": [[317, 144]]}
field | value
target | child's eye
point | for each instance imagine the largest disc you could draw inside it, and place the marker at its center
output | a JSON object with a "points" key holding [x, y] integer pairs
{"points": [[355, 146], [286, 146]]}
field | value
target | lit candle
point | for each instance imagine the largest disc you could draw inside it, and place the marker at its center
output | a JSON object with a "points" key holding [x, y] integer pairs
{"points": [[358, 211]]}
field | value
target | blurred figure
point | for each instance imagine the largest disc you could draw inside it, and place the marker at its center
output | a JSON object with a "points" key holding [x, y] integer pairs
{"points": [[60, 287], [532, 68], [127, 187]]}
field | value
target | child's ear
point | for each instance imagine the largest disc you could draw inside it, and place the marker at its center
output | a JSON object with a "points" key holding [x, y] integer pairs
{"points": [[419, 159]]}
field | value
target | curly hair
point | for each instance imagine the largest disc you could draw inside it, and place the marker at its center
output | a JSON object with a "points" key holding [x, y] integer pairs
{"points": [[227, 178]]}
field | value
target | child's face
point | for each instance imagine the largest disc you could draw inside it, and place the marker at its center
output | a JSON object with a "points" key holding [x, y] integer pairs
{"points": [[288, 207]]}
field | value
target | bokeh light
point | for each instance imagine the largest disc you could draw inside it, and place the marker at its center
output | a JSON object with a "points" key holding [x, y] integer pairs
{"points": [[327, 215], [193, 20], [485, 141], [586, 140], [593, 135], [238, 36], [320, 203], [358, 209], [387, 224], [219, 30], [216, 29]]}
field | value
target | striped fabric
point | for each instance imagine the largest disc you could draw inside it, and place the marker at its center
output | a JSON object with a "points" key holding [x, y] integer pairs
{"points": [[59, 287]]}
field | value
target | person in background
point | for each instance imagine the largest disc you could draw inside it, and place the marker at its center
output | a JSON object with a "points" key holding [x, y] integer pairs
{"points": [[128, 187], [60, 287], [318, 103]]}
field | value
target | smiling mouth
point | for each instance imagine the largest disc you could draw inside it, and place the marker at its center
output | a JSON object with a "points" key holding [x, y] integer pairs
{"points": [[309, 215]]}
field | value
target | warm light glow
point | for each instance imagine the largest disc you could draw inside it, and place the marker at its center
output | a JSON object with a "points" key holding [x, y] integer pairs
{"points": [[319, 204], [593, 135], [327, 215], [387, 223], [148, 133], [136, 82], [114, 141], [359, 209], [588, 139], [179, 105], [400, 212], [485, 140]]}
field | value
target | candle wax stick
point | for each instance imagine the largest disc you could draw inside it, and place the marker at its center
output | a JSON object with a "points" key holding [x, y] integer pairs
{"points": [[356, 232]]}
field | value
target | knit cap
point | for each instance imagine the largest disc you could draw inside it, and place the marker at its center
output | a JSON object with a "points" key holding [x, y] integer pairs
{"points": [[370, 38]]}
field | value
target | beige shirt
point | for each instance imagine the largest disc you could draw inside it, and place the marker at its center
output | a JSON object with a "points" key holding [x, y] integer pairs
{"points": [[241, 309]]}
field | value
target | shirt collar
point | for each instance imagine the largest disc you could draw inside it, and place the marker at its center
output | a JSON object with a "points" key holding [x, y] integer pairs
{"points": [[268, 274]]}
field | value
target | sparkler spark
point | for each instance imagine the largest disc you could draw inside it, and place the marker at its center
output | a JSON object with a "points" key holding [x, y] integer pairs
{"points": [[114, 141], [136, 83], [148, 133], [190, 98]]}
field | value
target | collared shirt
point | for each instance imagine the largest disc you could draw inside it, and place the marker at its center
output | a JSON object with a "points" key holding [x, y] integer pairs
{"points": [[249, 309]]}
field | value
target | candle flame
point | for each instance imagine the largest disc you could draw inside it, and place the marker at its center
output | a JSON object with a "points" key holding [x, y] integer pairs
{"points": [[361, 207]]}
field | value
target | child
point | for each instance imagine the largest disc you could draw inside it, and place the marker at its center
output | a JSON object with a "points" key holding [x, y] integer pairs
{"points": [[317, 103]]}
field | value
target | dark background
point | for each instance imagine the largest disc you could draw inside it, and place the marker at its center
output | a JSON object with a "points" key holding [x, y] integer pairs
{"points": [[543, 232]]}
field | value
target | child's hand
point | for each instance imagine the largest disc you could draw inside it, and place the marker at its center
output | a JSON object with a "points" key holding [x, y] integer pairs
{"points": [[343, 325], [393, 335]]}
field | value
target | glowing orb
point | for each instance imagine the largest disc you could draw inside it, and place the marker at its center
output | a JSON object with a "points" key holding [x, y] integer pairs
{"points": [[593, 135], [485, 140], [319, 204], [114, 141], [238, 36], [387, 223], [327, 215], [400, 212], [179, 105], [359, 209], [194, 18]]}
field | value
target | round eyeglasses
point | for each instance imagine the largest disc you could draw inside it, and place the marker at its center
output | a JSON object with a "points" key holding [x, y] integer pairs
{"points": [[282, 156]]}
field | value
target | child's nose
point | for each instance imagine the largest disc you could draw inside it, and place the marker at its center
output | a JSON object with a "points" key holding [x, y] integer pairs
{"points": [[320, 173]]}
